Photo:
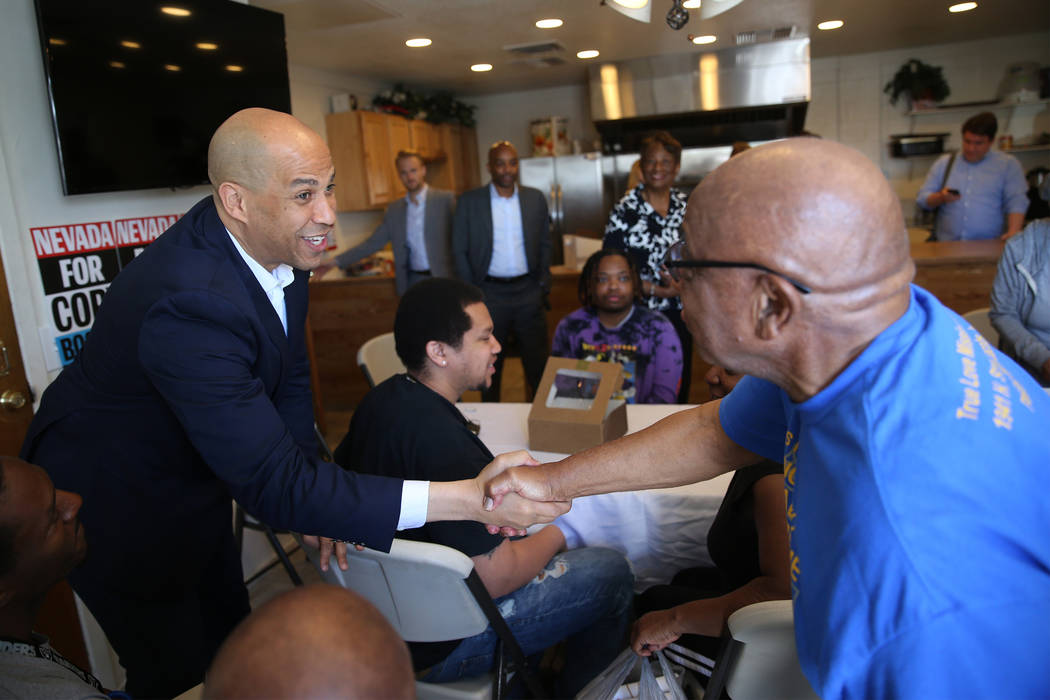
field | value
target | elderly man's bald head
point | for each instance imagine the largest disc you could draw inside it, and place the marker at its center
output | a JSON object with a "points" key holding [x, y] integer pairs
{"points": [[815, 210], [316, 641], [819, 213], [812, 209], [244, 147]]}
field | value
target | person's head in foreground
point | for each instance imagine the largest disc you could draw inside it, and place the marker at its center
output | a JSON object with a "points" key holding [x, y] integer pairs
{"points": [[317, 641], [795, 256], [609, 282], [443, 335], [41, 541], [273, 183]]}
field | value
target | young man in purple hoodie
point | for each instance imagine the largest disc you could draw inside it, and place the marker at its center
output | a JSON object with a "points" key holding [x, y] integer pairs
{"points": [[612, 327]]}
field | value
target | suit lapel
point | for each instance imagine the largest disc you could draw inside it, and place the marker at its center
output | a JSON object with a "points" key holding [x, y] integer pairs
{"points": [[264, 310]]}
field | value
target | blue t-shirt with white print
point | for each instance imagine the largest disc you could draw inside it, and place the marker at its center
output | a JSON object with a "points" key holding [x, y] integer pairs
{"points": [[918, 501]]}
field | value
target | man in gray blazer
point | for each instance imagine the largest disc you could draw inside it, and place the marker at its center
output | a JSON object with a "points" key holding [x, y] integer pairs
{"points": [[417, 226], [501, 242]]}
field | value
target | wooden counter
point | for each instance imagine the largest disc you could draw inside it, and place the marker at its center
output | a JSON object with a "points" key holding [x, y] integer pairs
{"points": [[959, 273], [344, 313]]}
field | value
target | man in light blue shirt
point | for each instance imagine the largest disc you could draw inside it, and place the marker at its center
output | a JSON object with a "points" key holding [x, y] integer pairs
{"points": [[981, 188]]}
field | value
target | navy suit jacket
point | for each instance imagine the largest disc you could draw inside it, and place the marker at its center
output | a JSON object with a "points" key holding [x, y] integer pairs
{"points": [[472, 235], [188, 391], [437, 236]]}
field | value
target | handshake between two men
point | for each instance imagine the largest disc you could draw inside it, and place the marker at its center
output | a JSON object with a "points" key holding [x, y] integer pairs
{"points": [[507, 503]]}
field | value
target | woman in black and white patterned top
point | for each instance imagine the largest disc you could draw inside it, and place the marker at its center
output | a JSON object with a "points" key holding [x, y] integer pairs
{"points": [[644, 224]]}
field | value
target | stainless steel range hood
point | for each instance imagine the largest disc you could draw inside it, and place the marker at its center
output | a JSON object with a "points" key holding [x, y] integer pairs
{"points": [[753, 92]]}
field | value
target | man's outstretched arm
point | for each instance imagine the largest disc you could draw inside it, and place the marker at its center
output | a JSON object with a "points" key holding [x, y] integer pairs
{"points": [[683, 448]]}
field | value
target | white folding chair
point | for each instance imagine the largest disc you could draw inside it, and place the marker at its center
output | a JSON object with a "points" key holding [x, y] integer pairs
{"points": [[978, 318], [378, 359], [431, 593], [758, 659]]}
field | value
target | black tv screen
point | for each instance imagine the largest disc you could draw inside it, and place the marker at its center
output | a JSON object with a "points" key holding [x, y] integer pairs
{"points": [[137, 87]]}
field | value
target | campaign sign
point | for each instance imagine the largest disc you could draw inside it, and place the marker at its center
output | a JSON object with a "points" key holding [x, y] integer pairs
{"points": [[77, 264]]}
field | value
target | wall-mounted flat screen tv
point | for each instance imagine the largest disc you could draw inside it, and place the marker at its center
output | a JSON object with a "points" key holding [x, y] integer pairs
{"points": [[137, 87]]}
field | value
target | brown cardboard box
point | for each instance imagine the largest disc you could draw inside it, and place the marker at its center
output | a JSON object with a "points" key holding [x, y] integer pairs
{"points": [[574, 409]]}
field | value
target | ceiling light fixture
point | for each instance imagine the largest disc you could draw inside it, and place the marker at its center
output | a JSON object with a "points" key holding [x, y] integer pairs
{"points": [[587, 53], [481, 67], [691, 4], [963, 7], [677, 16], [704, 39], [418, 42], [175, 11], [127, 44], [552, 23], [712, 8], [235, 68], [830, 24], [172, 67], [116, 64], [640, 10], [207, 46], [55, 41]]}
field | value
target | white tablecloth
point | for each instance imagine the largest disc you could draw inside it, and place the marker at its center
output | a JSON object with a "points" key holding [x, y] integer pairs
{"points": [[660, 531]]}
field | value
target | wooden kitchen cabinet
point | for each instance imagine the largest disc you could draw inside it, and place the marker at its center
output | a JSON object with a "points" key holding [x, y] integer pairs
{"points": [[426, 139], [364, 145]]}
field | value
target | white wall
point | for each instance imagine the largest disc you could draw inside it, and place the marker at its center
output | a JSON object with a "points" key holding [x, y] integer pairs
{"points": [[848, 104], [30, 184], [507, 116]]}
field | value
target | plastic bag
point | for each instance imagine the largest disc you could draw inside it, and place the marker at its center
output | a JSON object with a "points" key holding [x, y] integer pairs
{"points": [[609, 684]]}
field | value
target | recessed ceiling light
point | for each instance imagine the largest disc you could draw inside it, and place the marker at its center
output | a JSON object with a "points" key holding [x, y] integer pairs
{"points": [[691, 4], [116, 64], [172, 67], [632, 4], [175, 11], [830, 24], [481, 67], [234, 68], [705, 39], [552, 23], [127, 44], [588, 53], [207, 46], [962, 7], [418, 42], [55, 41]]}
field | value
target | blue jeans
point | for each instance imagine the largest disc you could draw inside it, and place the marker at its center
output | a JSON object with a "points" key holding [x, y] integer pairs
{"points": [[583, 596]]}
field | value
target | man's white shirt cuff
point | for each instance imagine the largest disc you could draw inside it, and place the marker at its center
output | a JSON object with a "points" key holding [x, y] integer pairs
{"points": [[414, 498]]}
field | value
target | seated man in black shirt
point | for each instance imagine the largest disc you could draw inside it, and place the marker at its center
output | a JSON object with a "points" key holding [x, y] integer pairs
{"points": [[409, 427]]}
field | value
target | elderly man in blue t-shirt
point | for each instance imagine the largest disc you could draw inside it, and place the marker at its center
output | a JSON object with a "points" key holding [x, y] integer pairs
{"points": [[981, 188], [916, 456]]}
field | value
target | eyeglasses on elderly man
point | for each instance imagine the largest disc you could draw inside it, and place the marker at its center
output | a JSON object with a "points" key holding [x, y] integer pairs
{"points": [[675, 260]]}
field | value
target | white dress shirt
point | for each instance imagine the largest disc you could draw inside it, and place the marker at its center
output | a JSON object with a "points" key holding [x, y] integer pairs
{"points": [[415, 215], [508, 239], [414, 494]]}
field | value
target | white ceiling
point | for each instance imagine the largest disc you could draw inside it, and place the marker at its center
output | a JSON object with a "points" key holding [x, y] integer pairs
{"points": [[366, 37]]}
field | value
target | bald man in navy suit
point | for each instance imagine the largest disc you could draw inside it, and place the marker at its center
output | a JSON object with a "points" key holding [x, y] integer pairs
{"points": [[193, 387]]}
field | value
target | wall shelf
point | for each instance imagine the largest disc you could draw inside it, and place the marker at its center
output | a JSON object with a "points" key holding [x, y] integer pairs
{"points": [[974, 107]]}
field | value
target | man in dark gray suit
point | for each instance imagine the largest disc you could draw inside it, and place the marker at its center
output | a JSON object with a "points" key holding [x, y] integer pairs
{"points": [[501, 242], [417, 226]]}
